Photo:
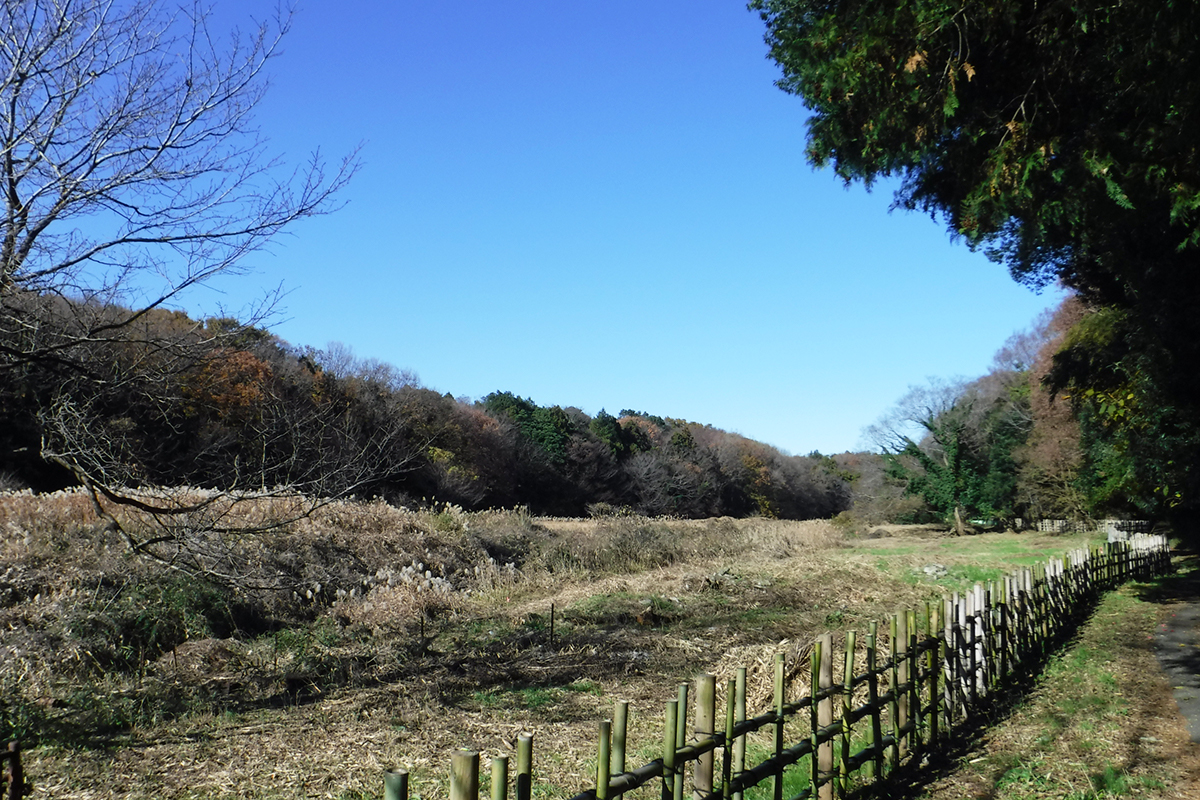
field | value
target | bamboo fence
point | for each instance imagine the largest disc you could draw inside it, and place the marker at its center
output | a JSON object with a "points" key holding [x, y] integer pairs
{"points": [[853, 734]]}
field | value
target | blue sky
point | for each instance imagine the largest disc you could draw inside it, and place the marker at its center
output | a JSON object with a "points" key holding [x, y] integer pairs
{"points": [[606, 205]]}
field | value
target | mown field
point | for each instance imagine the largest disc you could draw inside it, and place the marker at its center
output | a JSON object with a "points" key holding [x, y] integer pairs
{"points": [[365, 637]]}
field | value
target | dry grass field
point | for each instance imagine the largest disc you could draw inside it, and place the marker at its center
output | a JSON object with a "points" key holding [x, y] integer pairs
{"points": [[365, 637]]}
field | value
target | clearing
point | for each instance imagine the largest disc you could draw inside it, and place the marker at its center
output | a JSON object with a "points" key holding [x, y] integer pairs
{"points": [[434, 630]]}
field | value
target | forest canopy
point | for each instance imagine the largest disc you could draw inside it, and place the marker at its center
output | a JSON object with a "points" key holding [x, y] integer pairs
{"points": [[259, 413]]}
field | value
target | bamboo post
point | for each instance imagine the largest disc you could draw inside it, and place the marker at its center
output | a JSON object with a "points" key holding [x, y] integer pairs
{"points": [[395, 784], [500, 778], [847, 708], [972, 661], [995, 598], [1039, 595], [981, 640], [992, 647], [706, 726], [604, 760], [966, 622], [681, 737], [903, 674], [1028, 645], [962, 655], [825, 752], [1005, 601], [873, 702], [525, 766], [912, 658], [727, 750], [739, 746], [814, 682], [1062, 595], [464, 775], [949, 675], [1050, 584], [620, 727], [895, 694], [777, 788], [934, 666], [670, 728], [1050, 580]]}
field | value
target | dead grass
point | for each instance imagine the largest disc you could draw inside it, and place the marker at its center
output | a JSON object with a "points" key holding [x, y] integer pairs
{"points": [[429, 631]]}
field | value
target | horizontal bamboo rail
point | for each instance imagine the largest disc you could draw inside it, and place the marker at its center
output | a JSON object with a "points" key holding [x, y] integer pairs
{"points": [[943, 668]]}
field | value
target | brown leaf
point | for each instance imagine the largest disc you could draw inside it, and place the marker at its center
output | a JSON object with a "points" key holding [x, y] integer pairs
{"points": [[914, 62]]}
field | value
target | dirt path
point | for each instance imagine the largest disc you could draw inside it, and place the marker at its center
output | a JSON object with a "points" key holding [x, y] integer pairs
{"points": [[1177, 639], [1177, 646]]}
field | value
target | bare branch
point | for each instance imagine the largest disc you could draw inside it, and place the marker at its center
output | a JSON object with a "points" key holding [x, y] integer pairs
{"points": [[128, 146]]}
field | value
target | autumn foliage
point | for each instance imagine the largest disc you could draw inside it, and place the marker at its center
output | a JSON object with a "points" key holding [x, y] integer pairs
{"points": [[215, 405]]}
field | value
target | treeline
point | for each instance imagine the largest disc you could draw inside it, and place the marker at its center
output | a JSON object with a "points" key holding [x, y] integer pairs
{"points": [[172, 401], [1028, 440], [167, 400]]}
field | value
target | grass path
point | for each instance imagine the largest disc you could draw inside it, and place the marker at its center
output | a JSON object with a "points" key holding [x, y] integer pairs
{"points": [[1099, 723]]}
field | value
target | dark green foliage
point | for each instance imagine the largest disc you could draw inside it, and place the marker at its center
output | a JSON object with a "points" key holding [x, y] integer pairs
{"points": [[1139, 438], [964, 461], [1028, 126], [607, 428], [683, 442], [658, 466], [1060, 139], [548, 428], [947, 468]]}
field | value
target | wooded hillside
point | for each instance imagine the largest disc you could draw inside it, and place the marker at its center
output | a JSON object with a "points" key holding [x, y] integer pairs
{"points": [[213, 404]]}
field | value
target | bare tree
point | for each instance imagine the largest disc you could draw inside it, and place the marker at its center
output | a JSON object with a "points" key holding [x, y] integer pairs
{"points": [[928, 438], [1050, 462], [909, 420], [131, 169]]}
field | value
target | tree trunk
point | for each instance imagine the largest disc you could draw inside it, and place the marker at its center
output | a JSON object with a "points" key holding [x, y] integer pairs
{"points": [[958, 521]]}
